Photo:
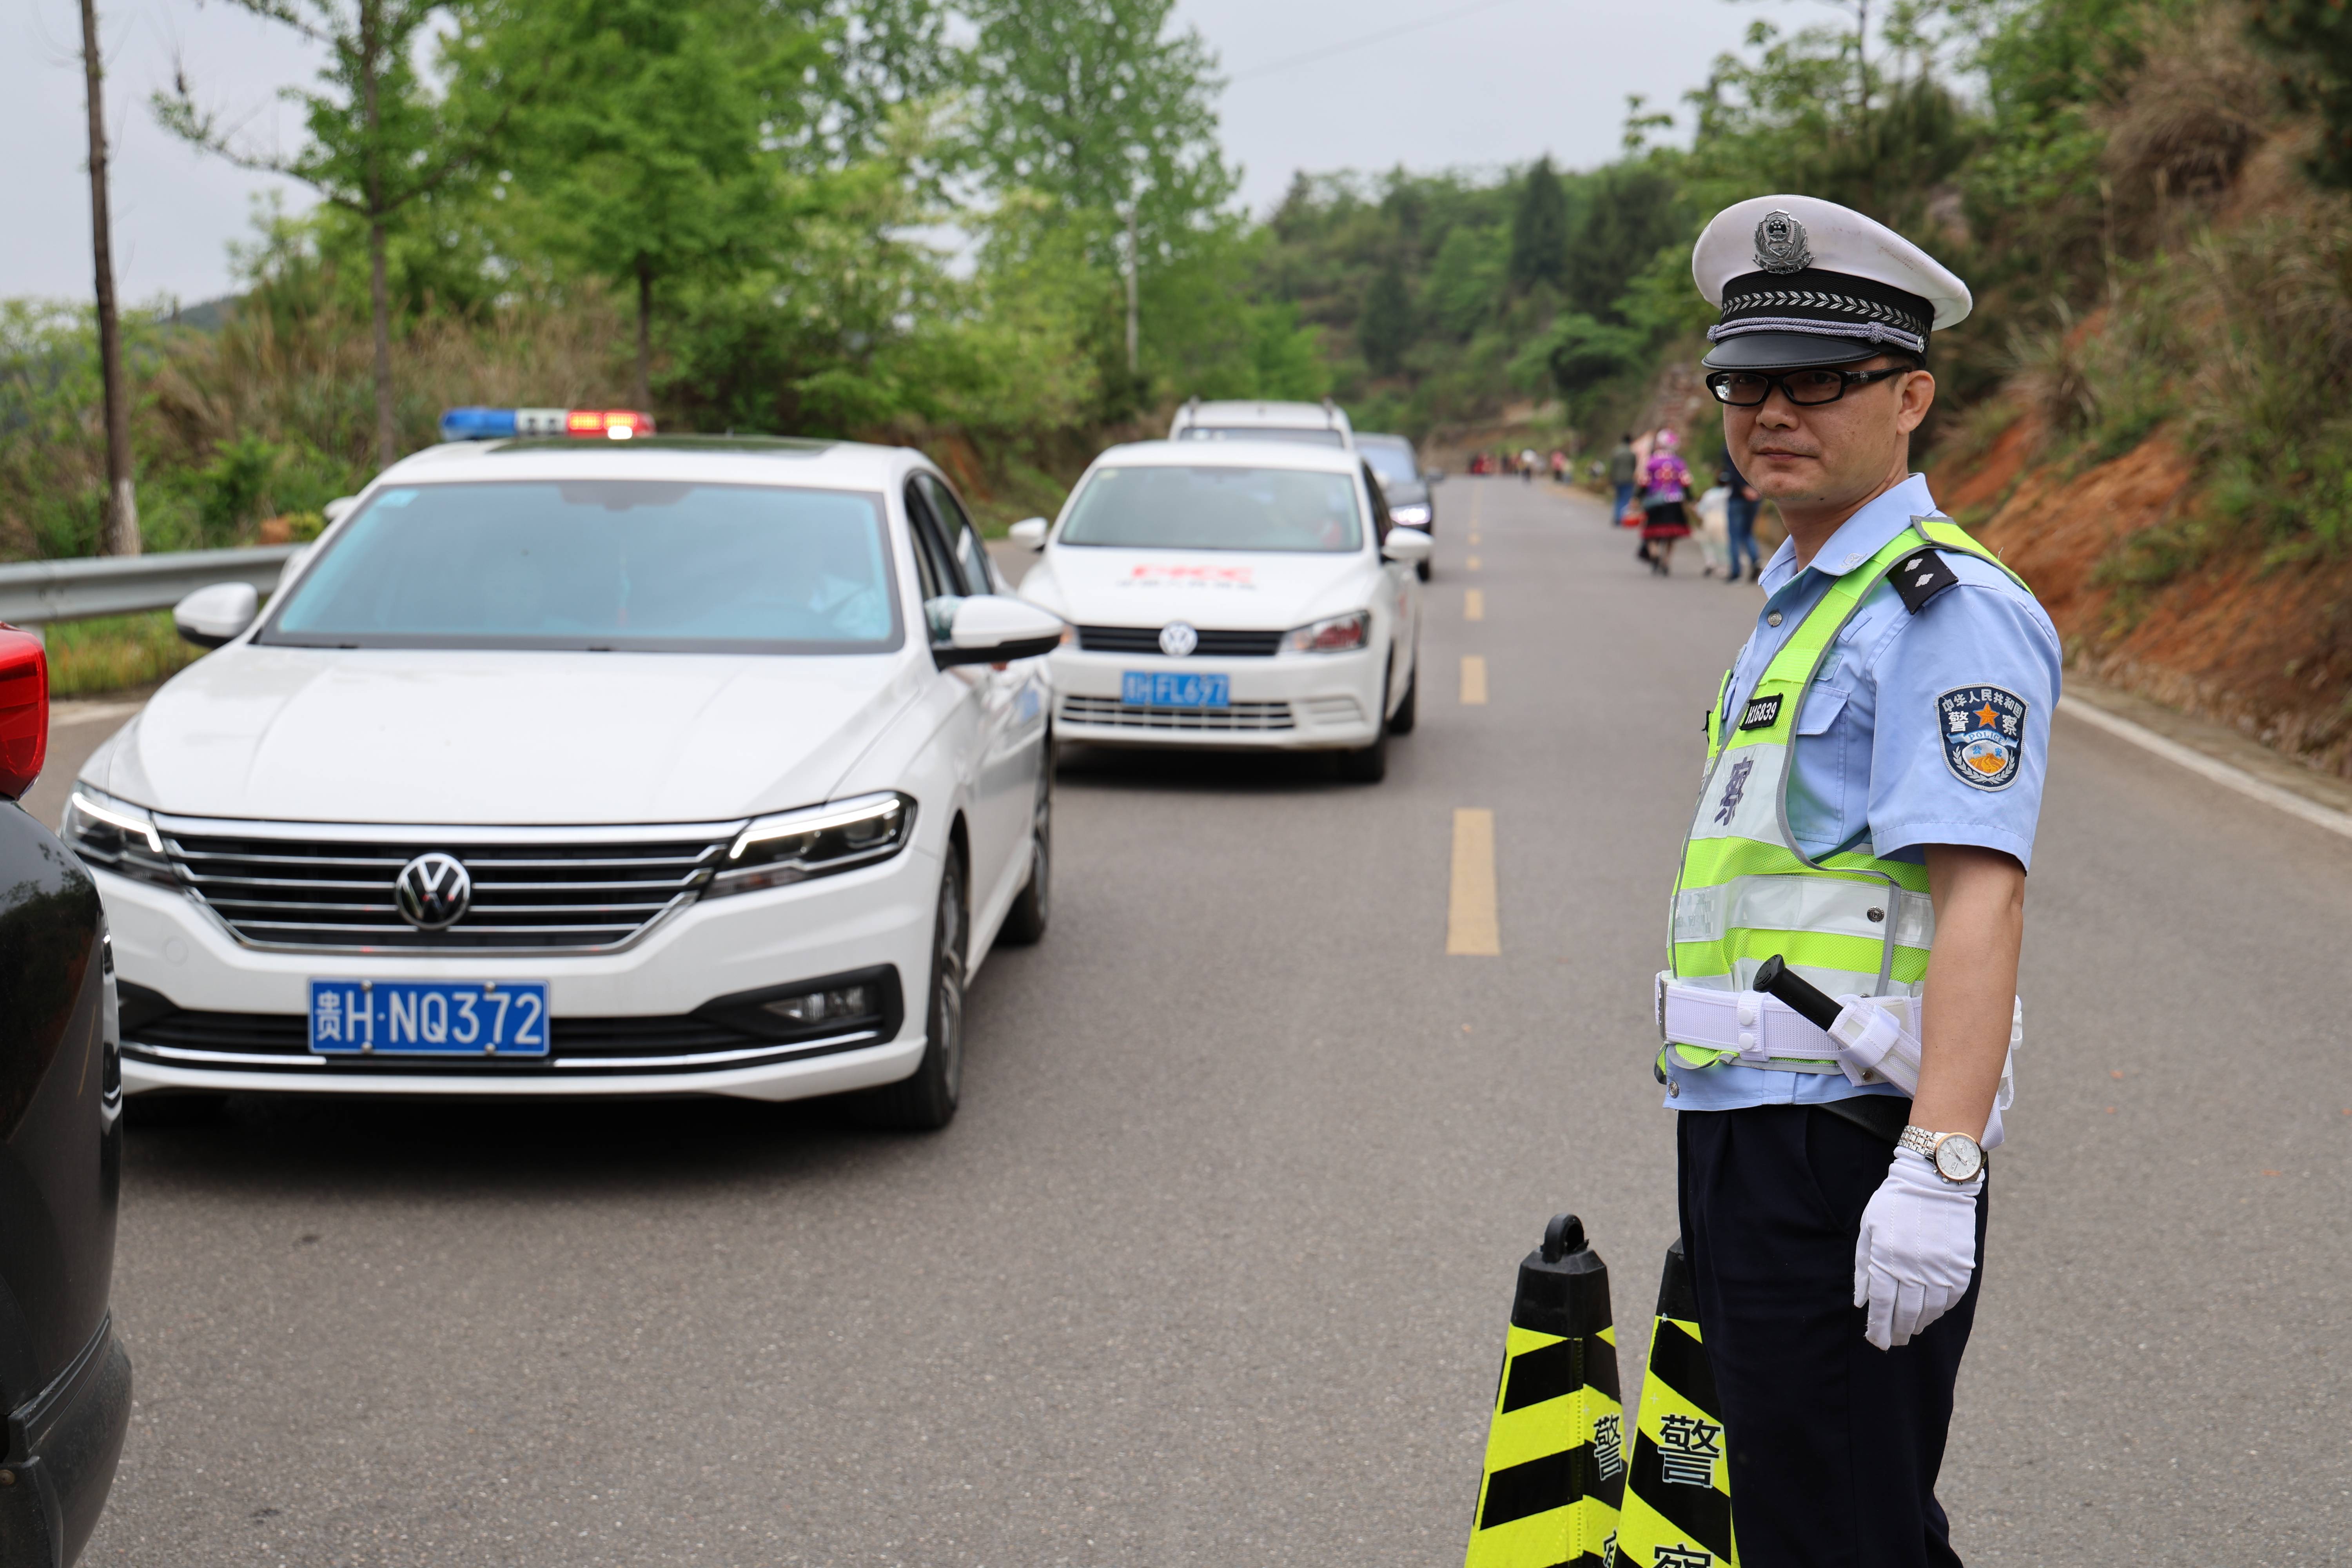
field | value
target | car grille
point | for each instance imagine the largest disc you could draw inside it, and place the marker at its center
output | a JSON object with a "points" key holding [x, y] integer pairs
{"points": [[1240, 716], [1146, 639], [576, 890]]}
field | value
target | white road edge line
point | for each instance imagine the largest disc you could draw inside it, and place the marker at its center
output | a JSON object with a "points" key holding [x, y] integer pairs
{"points": [[2218, 772]]}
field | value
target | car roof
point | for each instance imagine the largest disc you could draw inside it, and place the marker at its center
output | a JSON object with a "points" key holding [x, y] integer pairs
{"points": [[1278, 415], [1383, 438], [1241, 454], [719, 459]]}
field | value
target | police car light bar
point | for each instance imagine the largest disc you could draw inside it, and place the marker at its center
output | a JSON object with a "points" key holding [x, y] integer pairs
{"points": [[500, 424]]}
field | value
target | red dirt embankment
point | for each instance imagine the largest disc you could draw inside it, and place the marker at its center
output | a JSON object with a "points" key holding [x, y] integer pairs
{"points": [[2266, 651]]}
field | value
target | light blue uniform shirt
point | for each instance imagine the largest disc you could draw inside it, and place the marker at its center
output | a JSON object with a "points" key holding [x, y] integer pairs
{"points": [[1879, 757]]}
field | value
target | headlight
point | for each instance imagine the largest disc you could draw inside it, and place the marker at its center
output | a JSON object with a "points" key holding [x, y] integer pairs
{"points": [[1340, 634], [1413, 516], [794, 845], [116, 834]]}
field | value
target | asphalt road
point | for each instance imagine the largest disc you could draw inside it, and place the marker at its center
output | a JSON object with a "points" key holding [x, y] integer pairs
{"points": [[1213, 1267]]}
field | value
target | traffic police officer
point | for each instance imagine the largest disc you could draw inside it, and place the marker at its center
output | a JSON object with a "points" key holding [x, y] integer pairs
{"points": [[1875, 760]]}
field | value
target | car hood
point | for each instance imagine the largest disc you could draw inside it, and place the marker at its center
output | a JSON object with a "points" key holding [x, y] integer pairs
{"points": [[1236, 589], [1404, 492], [374, 735]]}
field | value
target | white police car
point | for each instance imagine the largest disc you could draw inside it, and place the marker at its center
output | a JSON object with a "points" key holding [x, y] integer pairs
{"points": [[588, 767], [1235, 594]]}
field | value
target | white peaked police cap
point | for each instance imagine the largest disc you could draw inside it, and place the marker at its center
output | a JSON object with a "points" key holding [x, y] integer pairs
{"points": [[1801, 281]]}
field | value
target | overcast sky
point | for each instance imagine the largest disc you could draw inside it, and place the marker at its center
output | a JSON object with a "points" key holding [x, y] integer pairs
{"points": [[1493, 82]]}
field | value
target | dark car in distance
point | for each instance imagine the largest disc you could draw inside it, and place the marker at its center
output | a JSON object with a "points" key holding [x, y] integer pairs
{"points": [[1410, 489], [65, 1380]]}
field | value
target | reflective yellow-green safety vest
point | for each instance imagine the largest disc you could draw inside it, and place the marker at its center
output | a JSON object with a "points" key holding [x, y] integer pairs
{"points": [[1850, 922]]}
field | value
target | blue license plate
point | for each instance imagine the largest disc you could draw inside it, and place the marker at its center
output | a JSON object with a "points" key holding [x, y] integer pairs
{"points": [[429, 1017], [1167, 688]]}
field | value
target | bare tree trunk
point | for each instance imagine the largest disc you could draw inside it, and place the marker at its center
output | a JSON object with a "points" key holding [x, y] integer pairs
{"points": [[1134, 264], [387, 445], [641, 388], [120, 534]]}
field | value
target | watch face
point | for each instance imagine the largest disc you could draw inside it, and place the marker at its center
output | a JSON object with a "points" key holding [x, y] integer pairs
{"points": [[1958, 1158]]}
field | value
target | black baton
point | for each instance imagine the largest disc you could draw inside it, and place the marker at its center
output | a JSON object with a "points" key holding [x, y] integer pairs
{"points": [[1803, 998]]}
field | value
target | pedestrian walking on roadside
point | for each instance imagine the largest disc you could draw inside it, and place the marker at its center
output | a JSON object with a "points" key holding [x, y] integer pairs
{"points": [[1665, 488], [1624, 469], [1527, 461], [1738, 517], [1874, 775]]}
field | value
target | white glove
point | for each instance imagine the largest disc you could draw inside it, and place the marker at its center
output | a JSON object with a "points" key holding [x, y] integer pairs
{"points": [[1917, 1249]]}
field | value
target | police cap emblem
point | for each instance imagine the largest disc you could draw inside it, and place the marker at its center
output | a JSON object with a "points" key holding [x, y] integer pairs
{"points": [[1983, 733], [1780, 243]]}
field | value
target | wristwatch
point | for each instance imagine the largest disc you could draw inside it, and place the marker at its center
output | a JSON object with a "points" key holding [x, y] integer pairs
{"points": [[1957, 1156]]}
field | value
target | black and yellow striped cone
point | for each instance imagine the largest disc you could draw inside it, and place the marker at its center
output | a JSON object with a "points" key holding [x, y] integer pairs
{"points": [[1678, 1497], [1556, 1452]]}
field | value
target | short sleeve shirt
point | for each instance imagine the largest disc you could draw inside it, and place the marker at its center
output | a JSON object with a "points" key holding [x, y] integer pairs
{"points": [[1922, 729]]}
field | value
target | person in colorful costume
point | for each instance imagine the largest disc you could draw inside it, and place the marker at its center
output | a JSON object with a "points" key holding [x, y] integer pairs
{"points": [[1874, 776]]}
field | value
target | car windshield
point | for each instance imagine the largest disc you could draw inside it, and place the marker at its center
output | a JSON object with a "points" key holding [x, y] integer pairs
{"points": [[1392, 460], [623, 565], [1207, 508], [1303, 437]]}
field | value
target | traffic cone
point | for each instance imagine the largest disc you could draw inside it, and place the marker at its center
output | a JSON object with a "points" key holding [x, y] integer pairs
{"points": [[1556, 1452], [1678, 1497]]}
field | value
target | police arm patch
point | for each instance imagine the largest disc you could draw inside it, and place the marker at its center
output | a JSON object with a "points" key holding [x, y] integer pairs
{"points": [[1919, 577], [1983, 733]]}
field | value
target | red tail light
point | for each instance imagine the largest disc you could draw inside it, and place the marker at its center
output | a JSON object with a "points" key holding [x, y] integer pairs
{"points": [[24, 710]]}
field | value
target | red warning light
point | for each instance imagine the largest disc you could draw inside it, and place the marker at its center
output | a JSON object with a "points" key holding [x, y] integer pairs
{"points": [[612, 423]]}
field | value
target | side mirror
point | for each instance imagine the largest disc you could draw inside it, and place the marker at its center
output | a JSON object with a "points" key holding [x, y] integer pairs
{"points": [[993, 628], [1409, 545], [1029, 532], [24, 710], [337, 508], [211, 616]]}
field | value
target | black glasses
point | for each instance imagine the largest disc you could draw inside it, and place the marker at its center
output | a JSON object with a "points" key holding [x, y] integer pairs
{"points": [[1805, 388]]}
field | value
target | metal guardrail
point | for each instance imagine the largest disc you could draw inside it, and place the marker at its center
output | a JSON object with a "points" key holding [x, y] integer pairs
{"points": [[35, 592]]}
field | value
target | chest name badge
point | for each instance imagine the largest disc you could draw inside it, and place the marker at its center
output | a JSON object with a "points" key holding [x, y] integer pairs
{"points": [[1762, 713], [1983, 732]]}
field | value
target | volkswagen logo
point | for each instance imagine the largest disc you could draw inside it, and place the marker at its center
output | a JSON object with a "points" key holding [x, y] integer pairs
{"points": [[432, 891], [1177, 639]]}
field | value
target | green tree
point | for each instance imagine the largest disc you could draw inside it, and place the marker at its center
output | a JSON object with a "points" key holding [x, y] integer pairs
{"points": [[1539, 229], [1634, 212], [378, 139], [1100, 106], [1385, 327], [646, 160]]}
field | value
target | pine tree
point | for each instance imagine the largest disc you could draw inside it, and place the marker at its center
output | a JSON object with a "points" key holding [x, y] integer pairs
{"points": [[1539, 229]]}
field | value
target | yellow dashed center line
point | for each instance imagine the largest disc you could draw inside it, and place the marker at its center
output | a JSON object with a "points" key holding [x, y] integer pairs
{"points": [[1474, 537], [1474, 605], [1472, 563], [1473, 928], [1474, 680]]}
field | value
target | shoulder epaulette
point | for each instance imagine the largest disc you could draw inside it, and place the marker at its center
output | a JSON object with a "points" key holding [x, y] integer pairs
{"points": [[1919, 577]]}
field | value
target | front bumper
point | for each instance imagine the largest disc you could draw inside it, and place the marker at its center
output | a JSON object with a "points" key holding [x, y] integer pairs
{"points": [[63, 1446], [876, 916], [1285, 702]]}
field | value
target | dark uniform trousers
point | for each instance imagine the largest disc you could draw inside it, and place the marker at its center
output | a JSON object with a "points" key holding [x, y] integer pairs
{"points": [[1833, 1443]]}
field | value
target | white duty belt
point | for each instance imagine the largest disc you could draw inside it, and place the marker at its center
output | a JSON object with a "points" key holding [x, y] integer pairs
{"points": [[1876, 1039]]}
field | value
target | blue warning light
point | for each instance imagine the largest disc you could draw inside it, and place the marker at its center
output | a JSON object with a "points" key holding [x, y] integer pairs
{"points": [[478, 423]]}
